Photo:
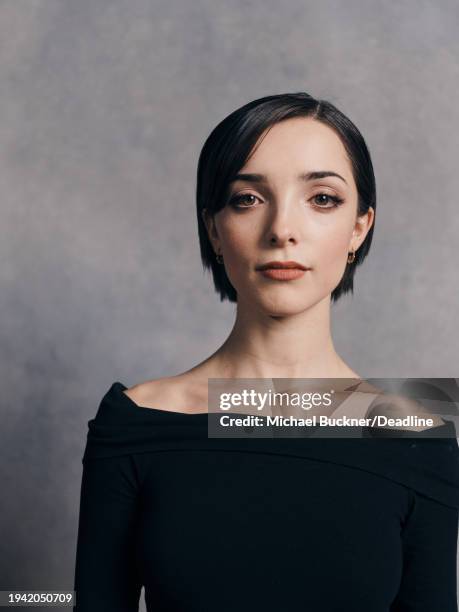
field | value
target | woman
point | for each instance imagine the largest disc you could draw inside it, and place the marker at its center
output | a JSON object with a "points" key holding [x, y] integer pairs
{"points": [[285, 207]]}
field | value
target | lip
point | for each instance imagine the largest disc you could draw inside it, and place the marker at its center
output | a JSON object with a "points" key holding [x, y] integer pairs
{"points": [[283, 274], [282, 265]]}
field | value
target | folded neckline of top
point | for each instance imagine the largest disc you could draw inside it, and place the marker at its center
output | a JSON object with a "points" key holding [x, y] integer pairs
{"points": [[117, 388], [120, 387]]}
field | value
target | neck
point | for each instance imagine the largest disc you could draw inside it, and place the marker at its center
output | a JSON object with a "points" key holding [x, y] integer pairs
{"points": [[289, 346]]}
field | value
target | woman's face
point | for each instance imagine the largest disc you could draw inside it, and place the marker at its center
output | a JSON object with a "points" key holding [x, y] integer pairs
{"points": [[285, 216]]}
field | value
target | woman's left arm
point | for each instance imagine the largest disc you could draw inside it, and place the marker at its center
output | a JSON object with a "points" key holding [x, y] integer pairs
{"points": [[429, 538]]}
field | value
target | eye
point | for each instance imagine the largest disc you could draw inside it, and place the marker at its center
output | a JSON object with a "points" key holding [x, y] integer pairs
{"points": [[242, 197], [323, 198], [320, 200]]}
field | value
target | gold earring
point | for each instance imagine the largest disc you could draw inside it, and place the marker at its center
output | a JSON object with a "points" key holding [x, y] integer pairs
{"points": [[350, 257]]}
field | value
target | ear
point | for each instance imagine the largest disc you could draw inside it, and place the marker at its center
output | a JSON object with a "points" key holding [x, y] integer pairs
{"points": [[361, 228], [209, 222]]}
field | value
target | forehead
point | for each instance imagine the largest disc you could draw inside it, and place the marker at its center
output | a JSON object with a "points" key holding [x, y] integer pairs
{"points": [[299, 144]]}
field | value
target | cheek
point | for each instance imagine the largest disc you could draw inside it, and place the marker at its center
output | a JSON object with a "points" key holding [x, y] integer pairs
{"points": [[330, 255], [332, 247], [238, 242], [239, 260]]}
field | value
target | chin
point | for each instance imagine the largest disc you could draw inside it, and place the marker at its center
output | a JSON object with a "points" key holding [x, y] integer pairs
{"points": [[279, 307]]}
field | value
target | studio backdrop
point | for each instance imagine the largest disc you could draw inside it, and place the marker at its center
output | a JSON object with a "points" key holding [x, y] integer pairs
{"points": [[105, 106]]}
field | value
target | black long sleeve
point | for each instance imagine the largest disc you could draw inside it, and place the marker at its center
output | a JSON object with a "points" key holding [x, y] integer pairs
{"points": [[314, 524], [107, 577], [106, 574], [429, 541]]}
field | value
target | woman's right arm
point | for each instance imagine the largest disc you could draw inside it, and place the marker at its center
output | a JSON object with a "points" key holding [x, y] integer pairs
{"points": [[106, 575]]}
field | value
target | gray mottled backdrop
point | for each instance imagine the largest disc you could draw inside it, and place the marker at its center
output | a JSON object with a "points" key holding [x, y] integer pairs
{"points": [[105, 105]]}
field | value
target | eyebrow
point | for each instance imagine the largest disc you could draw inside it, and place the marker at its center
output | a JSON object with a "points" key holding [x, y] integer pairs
{"points": [[304, 176]]}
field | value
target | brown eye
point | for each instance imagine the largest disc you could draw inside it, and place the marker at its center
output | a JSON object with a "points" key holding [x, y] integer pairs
{"points": [[321, 199], [243, 197]]}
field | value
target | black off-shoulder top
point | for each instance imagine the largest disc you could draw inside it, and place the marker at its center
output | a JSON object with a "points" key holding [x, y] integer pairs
{"points": [[309, 524]]}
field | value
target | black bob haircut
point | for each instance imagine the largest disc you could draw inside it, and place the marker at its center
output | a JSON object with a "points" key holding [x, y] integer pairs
{"points": [[228, 147]]}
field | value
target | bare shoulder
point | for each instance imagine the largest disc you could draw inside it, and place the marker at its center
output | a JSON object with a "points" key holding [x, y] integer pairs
{"points": [[399, 407], [171, 394]]}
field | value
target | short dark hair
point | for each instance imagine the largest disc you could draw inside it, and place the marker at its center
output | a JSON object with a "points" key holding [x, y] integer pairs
{"points": [[228, 147]]}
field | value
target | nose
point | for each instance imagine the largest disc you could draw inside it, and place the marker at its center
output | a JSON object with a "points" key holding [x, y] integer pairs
{"points": [[282, 226]]}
